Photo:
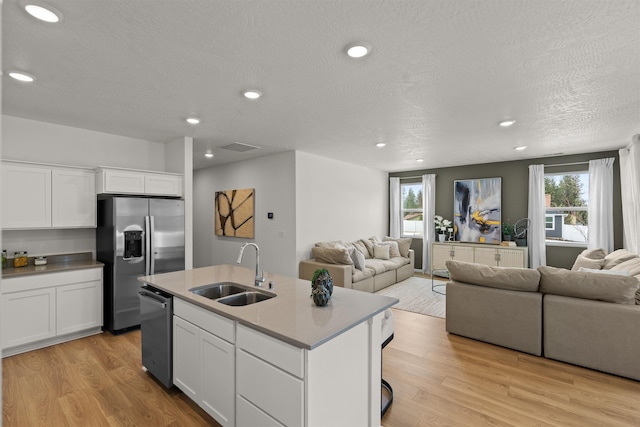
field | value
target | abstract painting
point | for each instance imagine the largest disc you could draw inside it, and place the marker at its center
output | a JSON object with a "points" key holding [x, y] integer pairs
{"points": [[476, 210], [235, 213]]}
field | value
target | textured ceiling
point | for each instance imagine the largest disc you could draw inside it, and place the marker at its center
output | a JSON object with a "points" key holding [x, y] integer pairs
{"points": [[440, 76]]}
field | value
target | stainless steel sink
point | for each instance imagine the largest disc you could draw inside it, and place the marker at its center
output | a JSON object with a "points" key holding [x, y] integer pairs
{"points": [[219, 290], [246, 298]]}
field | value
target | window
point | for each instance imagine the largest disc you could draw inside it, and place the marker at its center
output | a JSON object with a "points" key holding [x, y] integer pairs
{"points": [[567, 199], [411, 214]]}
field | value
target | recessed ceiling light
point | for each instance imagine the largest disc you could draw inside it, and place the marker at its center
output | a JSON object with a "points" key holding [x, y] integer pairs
{"points": [[357, 50], [419, 160], [252, 94], [46, 14], [506, 123], [380, 144], [520, 148], [193, 120], [208, 155], [21, 76]]}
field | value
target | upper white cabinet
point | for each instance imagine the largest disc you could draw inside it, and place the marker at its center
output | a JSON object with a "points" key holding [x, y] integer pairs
{"points": [[46, 196], [127, 181]]}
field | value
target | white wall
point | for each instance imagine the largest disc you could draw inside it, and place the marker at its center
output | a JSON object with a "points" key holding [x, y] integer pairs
{"points": [[50, 242], [338, 201], [179, 159], [35, 141], [273, 179]]}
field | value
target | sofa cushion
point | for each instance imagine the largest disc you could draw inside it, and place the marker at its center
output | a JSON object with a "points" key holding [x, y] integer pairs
{"points": [[368, 243], [632, 266], [332, 255], [394, 251], [377, 265], [359, 275], [404, 244], [594, 253], [585, 262], [517, 279], [381, 251], [594, 286], [358, 259], [399, 261], [360, 247], [617, 257]]}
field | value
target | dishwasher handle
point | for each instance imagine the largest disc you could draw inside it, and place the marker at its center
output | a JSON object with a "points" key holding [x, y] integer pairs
{"points": [[150, 297]]}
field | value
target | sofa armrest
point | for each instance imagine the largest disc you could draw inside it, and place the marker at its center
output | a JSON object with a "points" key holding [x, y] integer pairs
{"points": [[412, 258], [340, 273], [594, 334]]}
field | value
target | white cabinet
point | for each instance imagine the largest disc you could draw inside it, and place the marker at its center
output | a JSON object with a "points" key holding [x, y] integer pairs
{"points": [[203, 361], [73, 197], [44, 196], [502, 256], [50, 308], [127, 181]]}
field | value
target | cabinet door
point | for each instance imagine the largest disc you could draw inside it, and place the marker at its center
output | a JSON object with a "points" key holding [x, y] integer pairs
{"points": [[122, 182], [512, 258], [463, 253], [251, 416], [486, 256], [79, 307], [26, 196], [440, 254], [28, 316], [73, 198], [187, 363], [218, 378], [164, 185]]}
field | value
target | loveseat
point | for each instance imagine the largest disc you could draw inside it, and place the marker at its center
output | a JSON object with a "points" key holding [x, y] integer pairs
{"points": [[587, 316], [365, 264]]}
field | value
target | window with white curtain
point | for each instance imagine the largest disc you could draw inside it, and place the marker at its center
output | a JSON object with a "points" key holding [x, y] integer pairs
{"points": [[411, 210], [567, 201]]}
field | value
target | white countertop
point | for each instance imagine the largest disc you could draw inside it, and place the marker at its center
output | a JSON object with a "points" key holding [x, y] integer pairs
{"points": [[291, 316]]}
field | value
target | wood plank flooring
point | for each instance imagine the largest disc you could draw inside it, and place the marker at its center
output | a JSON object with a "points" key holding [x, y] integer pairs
{"points": [[438, 380]]}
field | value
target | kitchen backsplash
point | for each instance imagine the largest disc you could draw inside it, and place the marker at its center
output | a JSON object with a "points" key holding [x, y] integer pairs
{"points": [[49, 242]]}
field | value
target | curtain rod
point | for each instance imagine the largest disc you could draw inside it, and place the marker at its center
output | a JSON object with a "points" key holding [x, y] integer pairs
{"points": [[406, 177], [567, 164]]}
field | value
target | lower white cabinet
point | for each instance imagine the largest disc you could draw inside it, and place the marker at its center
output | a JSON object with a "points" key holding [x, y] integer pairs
{"points": [[50, 308], [203, 363]]}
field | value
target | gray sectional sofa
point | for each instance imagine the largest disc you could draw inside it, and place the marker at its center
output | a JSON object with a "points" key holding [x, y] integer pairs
{"points": [[587, 317], [366, 264]]}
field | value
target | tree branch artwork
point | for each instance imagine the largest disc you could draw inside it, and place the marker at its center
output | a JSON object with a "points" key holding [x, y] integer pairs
{"points": [[234, 216]]}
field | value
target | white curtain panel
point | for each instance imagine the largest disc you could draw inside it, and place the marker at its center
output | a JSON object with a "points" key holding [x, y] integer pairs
{"points": [[630, 189], [600, 210], [536, 233], [395, 206], [428, 213]]}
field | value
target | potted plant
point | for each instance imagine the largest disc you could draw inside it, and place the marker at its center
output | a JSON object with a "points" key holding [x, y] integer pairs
{"points": [[507, 230], [442, 225]]}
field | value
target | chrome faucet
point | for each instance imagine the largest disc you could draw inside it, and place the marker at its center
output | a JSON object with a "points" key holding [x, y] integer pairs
{"points": [[259, 277]]}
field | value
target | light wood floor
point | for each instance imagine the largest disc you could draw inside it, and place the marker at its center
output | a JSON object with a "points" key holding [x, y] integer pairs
{"points": [[438, 380]]}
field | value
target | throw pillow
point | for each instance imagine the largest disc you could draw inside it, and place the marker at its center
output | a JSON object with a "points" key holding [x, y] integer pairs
{"points": [[331, 255], [605, 272], [381, 251], [358, 259], [360, 246], [394, 251], [617, 257], [331, 244], [511, 278], [577, 284], [594, 253], [404, 244], [368, 243], [584, 262], [632, 266]]}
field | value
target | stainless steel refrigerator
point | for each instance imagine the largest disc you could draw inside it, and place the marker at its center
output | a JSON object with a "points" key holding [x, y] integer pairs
{"points": [[136, 237]]}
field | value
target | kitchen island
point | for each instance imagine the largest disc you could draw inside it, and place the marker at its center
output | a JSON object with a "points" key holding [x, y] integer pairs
{"points": [[282, 361]]}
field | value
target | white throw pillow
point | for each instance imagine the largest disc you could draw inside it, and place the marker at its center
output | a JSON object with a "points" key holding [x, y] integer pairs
{"points": [[381, 251], [610, 272], [358, 259]]}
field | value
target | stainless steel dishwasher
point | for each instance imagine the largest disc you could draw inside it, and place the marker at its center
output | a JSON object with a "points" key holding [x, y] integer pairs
{"points": [[156, 327]]}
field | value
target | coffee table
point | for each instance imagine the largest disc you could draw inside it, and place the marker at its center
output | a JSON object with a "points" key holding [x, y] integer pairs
{"points": [[440, 273]]}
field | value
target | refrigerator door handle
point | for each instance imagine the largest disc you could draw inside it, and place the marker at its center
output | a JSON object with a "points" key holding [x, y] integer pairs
{"points": [[152, 245], [147, 246]]}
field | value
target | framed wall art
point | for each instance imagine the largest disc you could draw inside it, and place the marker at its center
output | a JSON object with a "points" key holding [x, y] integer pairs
{"points": [[234, 215], [477, 210]]}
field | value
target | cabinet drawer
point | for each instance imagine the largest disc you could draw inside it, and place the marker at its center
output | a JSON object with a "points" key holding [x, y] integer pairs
{"points": [[205, 319], [274, 391], [276, 352], [250, 416], [48, 280]]}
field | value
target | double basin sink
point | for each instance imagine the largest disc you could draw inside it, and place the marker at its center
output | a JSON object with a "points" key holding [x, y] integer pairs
{"points": [[233, 294]]}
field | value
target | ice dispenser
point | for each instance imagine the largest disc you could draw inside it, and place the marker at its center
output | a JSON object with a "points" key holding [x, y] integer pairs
{"points": [[133, 244]]}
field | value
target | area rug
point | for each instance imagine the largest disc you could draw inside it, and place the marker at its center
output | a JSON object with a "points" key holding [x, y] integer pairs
{"points": [[415, 295]]}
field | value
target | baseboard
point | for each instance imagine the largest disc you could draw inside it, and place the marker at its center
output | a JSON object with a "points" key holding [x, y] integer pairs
{"points": [[49, 342]]}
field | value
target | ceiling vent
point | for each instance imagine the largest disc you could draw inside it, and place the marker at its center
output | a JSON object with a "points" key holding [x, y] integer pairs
{"points": [[240, 148]]}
